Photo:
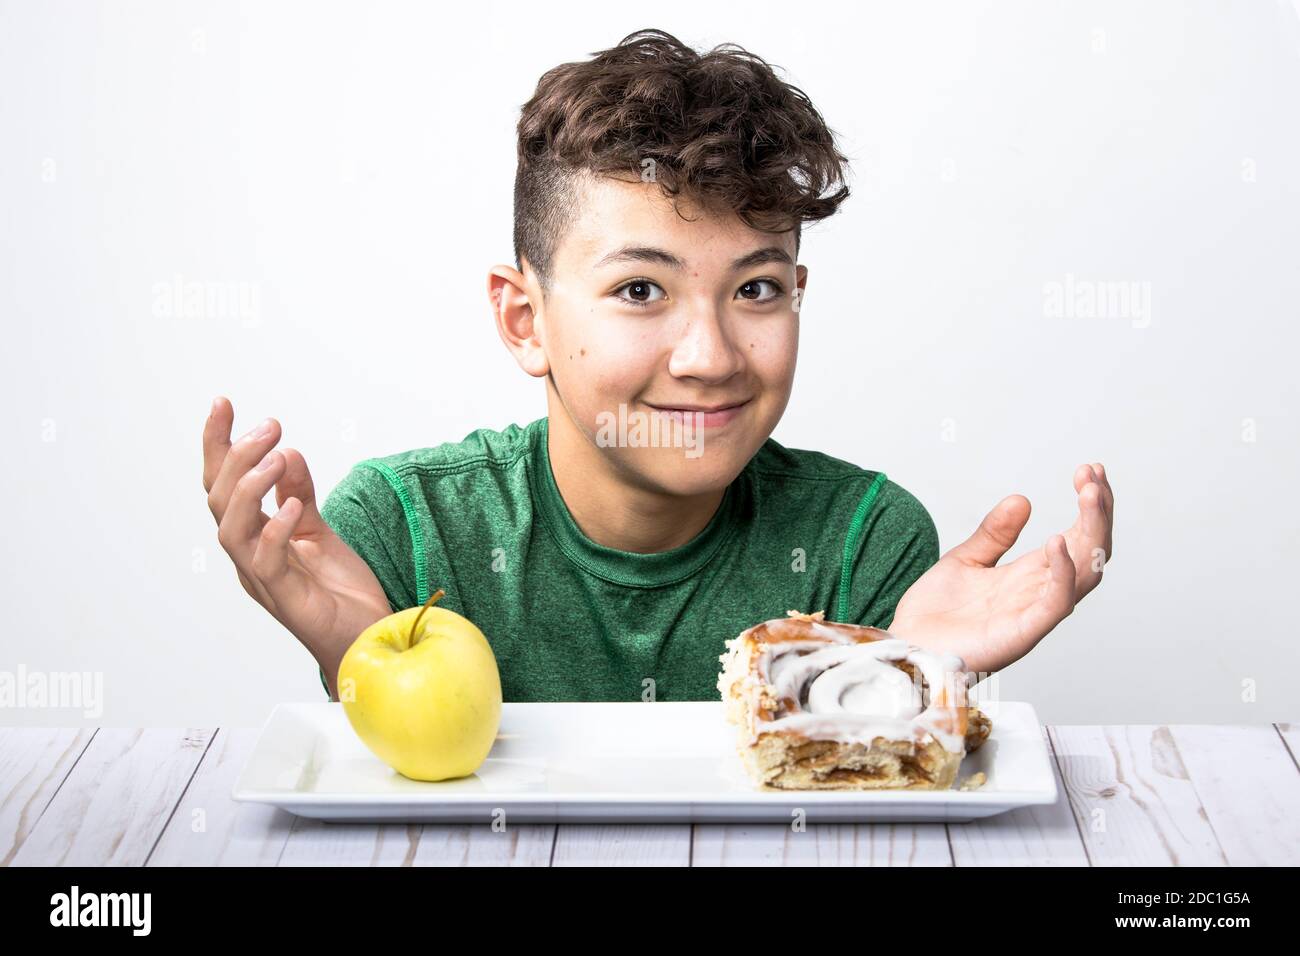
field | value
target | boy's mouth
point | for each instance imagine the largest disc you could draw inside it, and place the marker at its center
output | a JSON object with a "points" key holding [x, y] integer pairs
{"points": [[710, 416]]}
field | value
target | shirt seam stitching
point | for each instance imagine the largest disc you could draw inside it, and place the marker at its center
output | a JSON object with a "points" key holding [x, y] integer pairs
{"points": [[394, 481], [850, 542], [437, 471]]}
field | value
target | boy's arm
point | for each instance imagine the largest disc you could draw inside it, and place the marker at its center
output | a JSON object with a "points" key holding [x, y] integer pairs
{"points": [[345, 511]]}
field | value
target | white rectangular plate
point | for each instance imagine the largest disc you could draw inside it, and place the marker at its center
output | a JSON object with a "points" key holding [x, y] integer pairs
{"points": [[613, 762]]}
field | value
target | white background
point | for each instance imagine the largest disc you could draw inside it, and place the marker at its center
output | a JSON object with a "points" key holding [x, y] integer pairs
{"points": [[353, 164]]}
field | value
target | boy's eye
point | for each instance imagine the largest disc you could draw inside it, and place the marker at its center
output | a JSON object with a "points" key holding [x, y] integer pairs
{"points": [[644, 292], [753, 290], [639, 292]]}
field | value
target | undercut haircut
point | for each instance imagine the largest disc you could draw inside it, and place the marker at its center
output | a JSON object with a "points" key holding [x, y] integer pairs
{"points": [[719, 129]]}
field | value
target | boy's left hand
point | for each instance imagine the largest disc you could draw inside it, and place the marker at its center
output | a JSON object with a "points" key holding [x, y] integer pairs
{"points": [[992, 616]]}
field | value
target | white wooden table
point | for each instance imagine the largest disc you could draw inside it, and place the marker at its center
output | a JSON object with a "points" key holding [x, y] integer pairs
{"points": [[1149, 795]]}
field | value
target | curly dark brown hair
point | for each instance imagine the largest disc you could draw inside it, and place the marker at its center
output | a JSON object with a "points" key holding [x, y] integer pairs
{"points": [[722, 129]]}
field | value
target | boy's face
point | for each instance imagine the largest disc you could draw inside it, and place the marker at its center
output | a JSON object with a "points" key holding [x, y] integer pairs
{"points": [[652, 312]]}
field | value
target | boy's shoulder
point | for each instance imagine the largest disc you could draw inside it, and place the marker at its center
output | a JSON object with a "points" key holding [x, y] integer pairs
{"points": [[776, 460], [881, 536], [796, 486], [408, 478], [816, 475], [481, 448]]}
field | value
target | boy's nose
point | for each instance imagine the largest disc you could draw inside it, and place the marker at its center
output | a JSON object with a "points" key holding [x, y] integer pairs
{"points": [[704, 349]]}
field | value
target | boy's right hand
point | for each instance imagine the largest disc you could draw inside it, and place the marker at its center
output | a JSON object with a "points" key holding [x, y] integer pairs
{"points": [[293, 564]]}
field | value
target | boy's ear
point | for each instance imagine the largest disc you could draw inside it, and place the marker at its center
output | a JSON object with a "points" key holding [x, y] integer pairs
{"points": [[511, 296]]}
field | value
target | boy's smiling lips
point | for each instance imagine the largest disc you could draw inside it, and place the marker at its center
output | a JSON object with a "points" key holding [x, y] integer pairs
{"points": [[710, 416]]}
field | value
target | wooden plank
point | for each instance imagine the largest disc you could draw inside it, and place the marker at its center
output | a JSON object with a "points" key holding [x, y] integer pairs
{"points": [[209, 828], [1133, 799], [1290, 734], [1031, 836], [316, 843], [527, 844], [821, 844], [116, 800], [1249, 787], [33, 764], [640, 844]]}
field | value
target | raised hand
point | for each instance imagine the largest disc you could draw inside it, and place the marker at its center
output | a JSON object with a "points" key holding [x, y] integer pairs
{"points": [[293, 564], [993, 615]]}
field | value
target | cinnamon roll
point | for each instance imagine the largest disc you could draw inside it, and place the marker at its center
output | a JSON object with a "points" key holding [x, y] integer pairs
{"points": [[826, 706]]}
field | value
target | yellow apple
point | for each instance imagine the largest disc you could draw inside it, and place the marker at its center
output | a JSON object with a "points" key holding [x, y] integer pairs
{"points": [[422, 691]]}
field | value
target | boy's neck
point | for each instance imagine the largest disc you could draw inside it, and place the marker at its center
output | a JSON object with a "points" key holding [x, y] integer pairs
{"points": [[609, 510]]}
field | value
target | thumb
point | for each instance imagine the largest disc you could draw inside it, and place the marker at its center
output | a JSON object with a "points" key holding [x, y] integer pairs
{"points": [[296, 483], [1059, 590], [1056, 594], [996, 533]]}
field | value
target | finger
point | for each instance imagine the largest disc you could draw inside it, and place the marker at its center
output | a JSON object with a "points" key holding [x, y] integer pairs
{"points": [[1082, 476], [242, 455], [1108, 497], [996, 533], [296, 482], [1056, 596], [216, 439], [244, 518], [1091, 538], [286, 585], [1095, 472]]}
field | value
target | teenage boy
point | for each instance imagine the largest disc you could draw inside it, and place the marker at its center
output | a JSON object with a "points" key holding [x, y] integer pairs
{"points": [[656, 290]]}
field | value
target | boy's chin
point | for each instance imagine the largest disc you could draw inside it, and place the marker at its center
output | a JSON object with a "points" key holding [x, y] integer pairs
{"points": [[687, 472]]}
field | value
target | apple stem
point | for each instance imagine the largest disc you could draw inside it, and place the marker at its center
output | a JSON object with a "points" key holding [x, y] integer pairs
{"points": [[410, 638]]}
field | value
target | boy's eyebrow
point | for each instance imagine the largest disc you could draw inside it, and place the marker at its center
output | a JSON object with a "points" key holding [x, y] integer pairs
{"points": [[664, 257], [759, 256], [642, 254]]}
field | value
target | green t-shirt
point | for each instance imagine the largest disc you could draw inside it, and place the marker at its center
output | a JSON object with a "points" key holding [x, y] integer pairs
{"points": [[572, 620]]}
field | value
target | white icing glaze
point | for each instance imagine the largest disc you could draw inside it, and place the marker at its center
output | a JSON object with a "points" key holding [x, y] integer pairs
{"points": [[840, 689]]}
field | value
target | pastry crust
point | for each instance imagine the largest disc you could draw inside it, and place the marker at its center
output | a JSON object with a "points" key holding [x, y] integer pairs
{"points": [[896, 733]]}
